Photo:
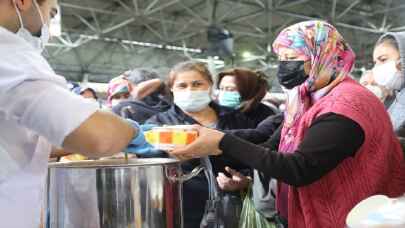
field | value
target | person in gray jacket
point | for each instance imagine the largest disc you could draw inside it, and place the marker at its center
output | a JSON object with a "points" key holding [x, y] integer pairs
{"points": [[387, 78]]}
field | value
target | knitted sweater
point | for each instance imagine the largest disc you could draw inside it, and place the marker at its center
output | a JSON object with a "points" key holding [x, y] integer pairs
{"points": [[377, 168]]}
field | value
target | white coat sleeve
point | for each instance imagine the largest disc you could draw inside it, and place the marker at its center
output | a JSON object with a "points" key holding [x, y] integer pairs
{"points": [[47, 109], [32, 95]]}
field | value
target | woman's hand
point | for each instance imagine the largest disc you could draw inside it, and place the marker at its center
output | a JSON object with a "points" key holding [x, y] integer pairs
{"points": [[235, 183], [206, 144]]}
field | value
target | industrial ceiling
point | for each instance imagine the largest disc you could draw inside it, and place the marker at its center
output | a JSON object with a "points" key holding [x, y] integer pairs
{"points": [[102, 38]]}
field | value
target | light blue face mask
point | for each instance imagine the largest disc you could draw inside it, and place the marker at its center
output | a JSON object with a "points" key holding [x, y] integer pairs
{"points": [[192, 101], [229, 99]]}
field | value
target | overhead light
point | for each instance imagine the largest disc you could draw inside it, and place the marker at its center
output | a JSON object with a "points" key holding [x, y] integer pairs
{"points": [[143, 44], [220, 63], [269, 48], [247, 55]]}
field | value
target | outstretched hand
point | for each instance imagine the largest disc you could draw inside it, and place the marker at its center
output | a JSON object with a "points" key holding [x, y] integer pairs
{"points": [[236, 182], [206, 144]]}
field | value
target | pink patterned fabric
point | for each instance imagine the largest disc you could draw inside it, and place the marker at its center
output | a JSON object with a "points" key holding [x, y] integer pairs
{"points": [[377, 168], [117, 85], [331, 59]]}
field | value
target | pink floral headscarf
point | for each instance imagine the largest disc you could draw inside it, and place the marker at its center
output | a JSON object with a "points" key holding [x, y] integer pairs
{"points": [[331, 60], [117, 85]]}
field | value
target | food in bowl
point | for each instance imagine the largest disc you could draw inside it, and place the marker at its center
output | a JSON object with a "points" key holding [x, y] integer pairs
{"points": [[168, 137]]}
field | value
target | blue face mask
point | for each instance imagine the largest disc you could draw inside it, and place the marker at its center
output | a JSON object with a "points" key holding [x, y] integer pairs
{"points": [[192, 101], [229, 99]]}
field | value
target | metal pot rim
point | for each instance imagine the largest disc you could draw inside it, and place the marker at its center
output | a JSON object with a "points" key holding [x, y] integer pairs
{"points": [[120, 163]]}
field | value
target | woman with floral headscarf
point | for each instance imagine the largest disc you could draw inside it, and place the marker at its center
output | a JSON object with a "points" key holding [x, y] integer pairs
{"points": [[337, 143], [119, 90]]}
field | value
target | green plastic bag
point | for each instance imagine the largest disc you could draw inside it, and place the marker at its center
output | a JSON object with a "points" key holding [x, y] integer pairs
{"points": [[250, 217]]}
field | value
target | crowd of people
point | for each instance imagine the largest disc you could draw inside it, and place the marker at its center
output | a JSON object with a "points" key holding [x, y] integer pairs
{"points": [[337, 142]]}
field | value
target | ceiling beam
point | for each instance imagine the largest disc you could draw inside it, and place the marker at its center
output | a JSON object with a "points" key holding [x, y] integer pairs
{"points": [[151, 5], [353, 4], [247, 16], [384, 21], [118, 26], [292, 4], [333, 12], [194, 14], [162, 7], [136, 6], [396, 8]]}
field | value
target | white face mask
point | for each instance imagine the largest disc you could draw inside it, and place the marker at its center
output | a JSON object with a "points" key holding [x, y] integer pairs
{"points": [[388, 76], [192, 101], [37, 42]]}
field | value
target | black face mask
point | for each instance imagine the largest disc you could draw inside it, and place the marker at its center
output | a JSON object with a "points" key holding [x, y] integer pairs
{"points": [[291, 73]]}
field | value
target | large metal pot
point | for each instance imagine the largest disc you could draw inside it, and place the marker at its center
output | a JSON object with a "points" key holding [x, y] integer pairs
{"points": [[140, 193]]}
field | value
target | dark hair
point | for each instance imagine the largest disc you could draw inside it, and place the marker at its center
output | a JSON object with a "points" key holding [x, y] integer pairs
{"points": [[252, 86], [139, 75], [196, 66], [92, 91], [388, 39]]}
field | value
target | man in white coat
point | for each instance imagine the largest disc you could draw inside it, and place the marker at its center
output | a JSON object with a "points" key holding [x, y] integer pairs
{"points": [[37, 113]]}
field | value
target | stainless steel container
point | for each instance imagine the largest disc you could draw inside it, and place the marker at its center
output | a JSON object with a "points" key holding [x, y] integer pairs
{"points": [[140, 193]]}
